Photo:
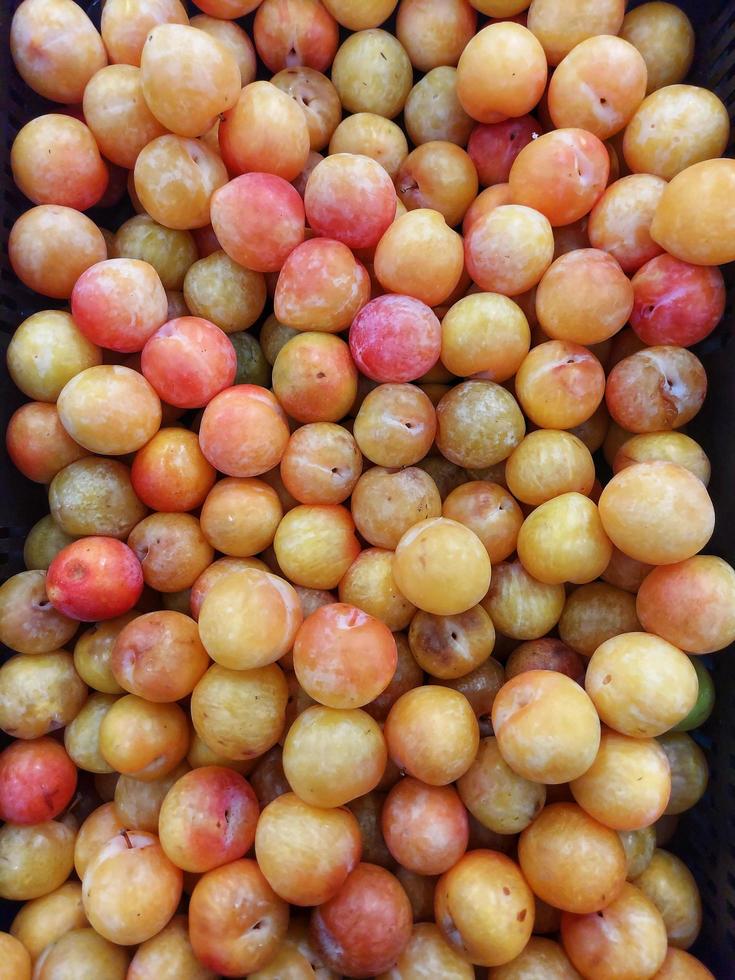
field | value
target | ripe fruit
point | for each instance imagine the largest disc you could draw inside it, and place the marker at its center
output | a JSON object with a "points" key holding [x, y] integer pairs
{"points": [[366, 630]]}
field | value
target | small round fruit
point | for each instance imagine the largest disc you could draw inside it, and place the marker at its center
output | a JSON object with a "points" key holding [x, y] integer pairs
{"points": [[395, 338], [395, 425], [55, 48], [321, 287], [641, 685], [657, 512], [138, 804], [433, 111], [236, 921], [130, 888], [170, 473], [316, 544], [243, 431], [188, 78], [249, 619], [562, 174], [598, 86], [690, 603], [425, 827], [321, 464], [28, 622], [672, 447], [501, 72], [351, 750], [577, 550], [673, 128], [693, 221], [109, 409], [314, 377], [479, 424], [372, 73], [240, 714], [427, 950], [595, 613], [548, 463], [571, 861], [261, 239], [44, 541], [670, 885], [628, 785], [560, 384], [422, 557], [50, 246], [584, 297], [663, 34], [170, 252], [207, 819], [432, 734], [628, 937], [561, 25], [655, 389], [35, 859], [37, 781], [364, 927], [94, 578], [705, 703], [520, 606], [639, 846], [159, 656], [142, 739], [508, 249], [689, 771], [170, 949], [538, 738], [172, 551], [66, 352], [620, 221], [678, 964], [448, 647], [469, 347], [488, 510], [55, 160], [374, 136], [350, 197], [484, 908], [39, 693], [83, 954], [498, 797], [44, 920], [306, 852], [343, 657]]}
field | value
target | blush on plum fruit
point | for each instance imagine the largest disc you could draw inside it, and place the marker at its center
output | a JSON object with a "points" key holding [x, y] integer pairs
{"points": [[365, 926], [493, 148], [321, 286], [188, 361], [208, 819], [95, 578], [350, 197], [260, 238], [37, 781], [243, 431], [395, 338], [676, 303]]}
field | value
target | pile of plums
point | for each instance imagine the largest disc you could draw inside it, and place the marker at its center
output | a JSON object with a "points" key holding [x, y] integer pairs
{"points": [[364, 634]]}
